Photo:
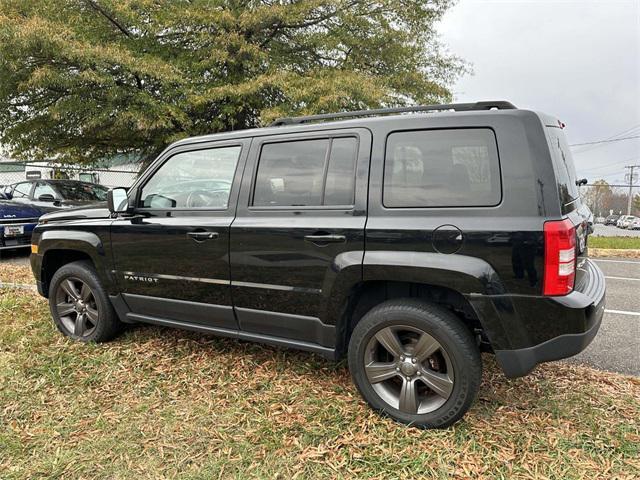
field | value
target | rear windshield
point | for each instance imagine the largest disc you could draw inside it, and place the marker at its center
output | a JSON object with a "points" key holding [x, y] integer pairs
{"points": [[565, 171]]}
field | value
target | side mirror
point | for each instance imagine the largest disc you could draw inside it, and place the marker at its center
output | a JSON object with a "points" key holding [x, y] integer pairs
{"points": [[582, 181], [117, 200], [46, 197]]}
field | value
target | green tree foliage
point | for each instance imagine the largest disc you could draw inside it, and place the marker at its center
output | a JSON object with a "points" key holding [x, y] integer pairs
{"points": [[83, 79]]}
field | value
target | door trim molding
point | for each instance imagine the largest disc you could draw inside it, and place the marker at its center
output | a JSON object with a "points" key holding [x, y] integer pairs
{"points": [[162, 276], [209, 315], [270, 286], [286, 325], [328, 353], [216, 281]]}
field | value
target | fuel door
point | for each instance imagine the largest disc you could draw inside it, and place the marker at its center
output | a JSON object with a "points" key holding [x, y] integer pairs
{"points": [[447, 239]]}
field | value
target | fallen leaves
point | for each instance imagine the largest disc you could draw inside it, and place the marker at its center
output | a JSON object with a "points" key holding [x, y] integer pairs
{"points": [[166, 403]]}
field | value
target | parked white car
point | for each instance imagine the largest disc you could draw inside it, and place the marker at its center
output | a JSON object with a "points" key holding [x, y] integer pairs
{"points": [[627, 222], [624, 221], [635, 224]]}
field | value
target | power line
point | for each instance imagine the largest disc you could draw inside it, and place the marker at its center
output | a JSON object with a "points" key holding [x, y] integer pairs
{"points": [[628, 131], [635, 130], [604, 141], [608, 165]]}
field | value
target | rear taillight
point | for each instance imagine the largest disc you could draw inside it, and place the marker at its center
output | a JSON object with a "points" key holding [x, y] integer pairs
{"points": [[559, 257]]}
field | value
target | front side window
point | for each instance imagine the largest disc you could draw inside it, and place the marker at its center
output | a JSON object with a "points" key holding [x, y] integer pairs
{"points": [[196, 179], [306, 173], [43, 188], [442, 168]]}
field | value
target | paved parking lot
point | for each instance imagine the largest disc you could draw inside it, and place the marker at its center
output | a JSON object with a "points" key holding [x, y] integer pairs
{"points": [[616, 347], [611, 231]]}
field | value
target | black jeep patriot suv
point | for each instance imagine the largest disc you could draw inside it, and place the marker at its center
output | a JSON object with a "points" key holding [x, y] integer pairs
{"points": [[409, 242]]}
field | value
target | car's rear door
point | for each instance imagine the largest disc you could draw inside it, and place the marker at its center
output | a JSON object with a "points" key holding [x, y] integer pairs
{"points": [[21, 192], [300, 220], [171, 256]]}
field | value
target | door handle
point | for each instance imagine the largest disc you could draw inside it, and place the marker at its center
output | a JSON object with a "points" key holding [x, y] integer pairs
{"points": [[202, 236], [325, 238]]}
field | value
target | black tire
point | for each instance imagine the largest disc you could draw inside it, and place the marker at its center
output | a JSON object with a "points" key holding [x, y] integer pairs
{"points": [[103, 325], [455, 342]]}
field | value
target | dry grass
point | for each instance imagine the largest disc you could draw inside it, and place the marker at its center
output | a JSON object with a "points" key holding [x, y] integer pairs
{"points": [[159, 403], [12, 273]]}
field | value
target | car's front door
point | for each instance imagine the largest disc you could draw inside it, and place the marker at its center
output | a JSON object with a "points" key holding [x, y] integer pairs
{"points": [[171, 256], [44, 195], [299, 227]]}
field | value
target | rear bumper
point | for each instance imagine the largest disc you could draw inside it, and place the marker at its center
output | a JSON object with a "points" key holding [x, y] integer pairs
{"points": [[542, 329], [516, 363]]}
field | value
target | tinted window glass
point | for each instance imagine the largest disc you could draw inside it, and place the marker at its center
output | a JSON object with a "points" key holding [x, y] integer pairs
{"points": [[81, 191], [300, 173], [442, 168], [339, 189], [565, 170], [198, 179], [291, 173]]}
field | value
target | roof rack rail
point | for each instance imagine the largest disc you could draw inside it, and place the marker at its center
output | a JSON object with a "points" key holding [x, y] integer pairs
{"points": [[458, 107]]}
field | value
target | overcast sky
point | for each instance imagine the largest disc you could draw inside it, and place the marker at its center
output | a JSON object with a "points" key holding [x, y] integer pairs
{"points": [[577, 60]]}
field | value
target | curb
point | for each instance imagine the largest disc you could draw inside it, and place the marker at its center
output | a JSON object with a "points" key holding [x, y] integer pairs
{"points": [[614, 252]]}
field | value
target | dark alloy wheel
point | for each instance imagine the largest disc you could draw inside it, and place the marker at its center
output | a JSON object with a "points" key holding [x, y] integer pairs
{"points": [[80, 306], [77, 307], [415, 362], [409, 369]]}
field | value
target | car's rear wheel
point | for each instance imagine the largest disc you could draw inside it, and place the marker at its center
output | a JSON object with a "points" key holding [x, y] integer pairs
{"points": [[415, 362], [80, 306]]}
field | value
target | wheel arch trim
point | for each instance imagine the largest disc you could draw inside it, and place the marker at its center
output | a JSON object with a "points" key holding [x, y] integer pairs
{"points": [[86, 243]]}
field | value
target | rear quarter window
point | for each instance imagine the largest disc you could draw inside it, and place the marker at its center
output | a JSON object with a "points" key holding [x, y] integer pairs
{"points": [[442, 168]]}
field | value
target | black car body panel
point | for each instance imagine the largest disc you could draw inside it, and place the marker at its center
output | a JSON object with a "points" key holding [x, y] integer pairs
{"points": [[295, 275]]}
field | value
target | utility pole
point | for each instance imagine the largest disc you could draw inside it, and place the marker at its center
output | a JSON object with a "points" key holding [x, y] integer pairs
{"points": [[632, 179]]}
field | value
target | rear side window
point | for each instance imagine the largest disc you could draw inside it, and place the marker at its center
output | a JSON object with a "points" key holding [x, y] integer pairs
{"points": [[306, 173], [442, 168], [21, 190], [564, 168]]}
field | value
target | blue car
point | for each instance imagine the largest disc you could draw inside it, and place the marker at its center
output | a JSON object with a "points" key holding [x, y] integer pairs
{"points": [[17, 222]]}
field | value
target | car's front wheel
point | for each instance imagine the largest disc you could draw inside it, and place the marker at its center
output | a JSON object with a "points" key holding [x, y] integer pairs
{"points": [[415, 362], [80, 306]]}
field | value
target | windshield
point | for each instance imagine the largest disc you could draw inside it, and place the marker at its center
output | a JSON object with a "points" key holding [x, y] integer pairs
{"points": [[80, 191]]}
